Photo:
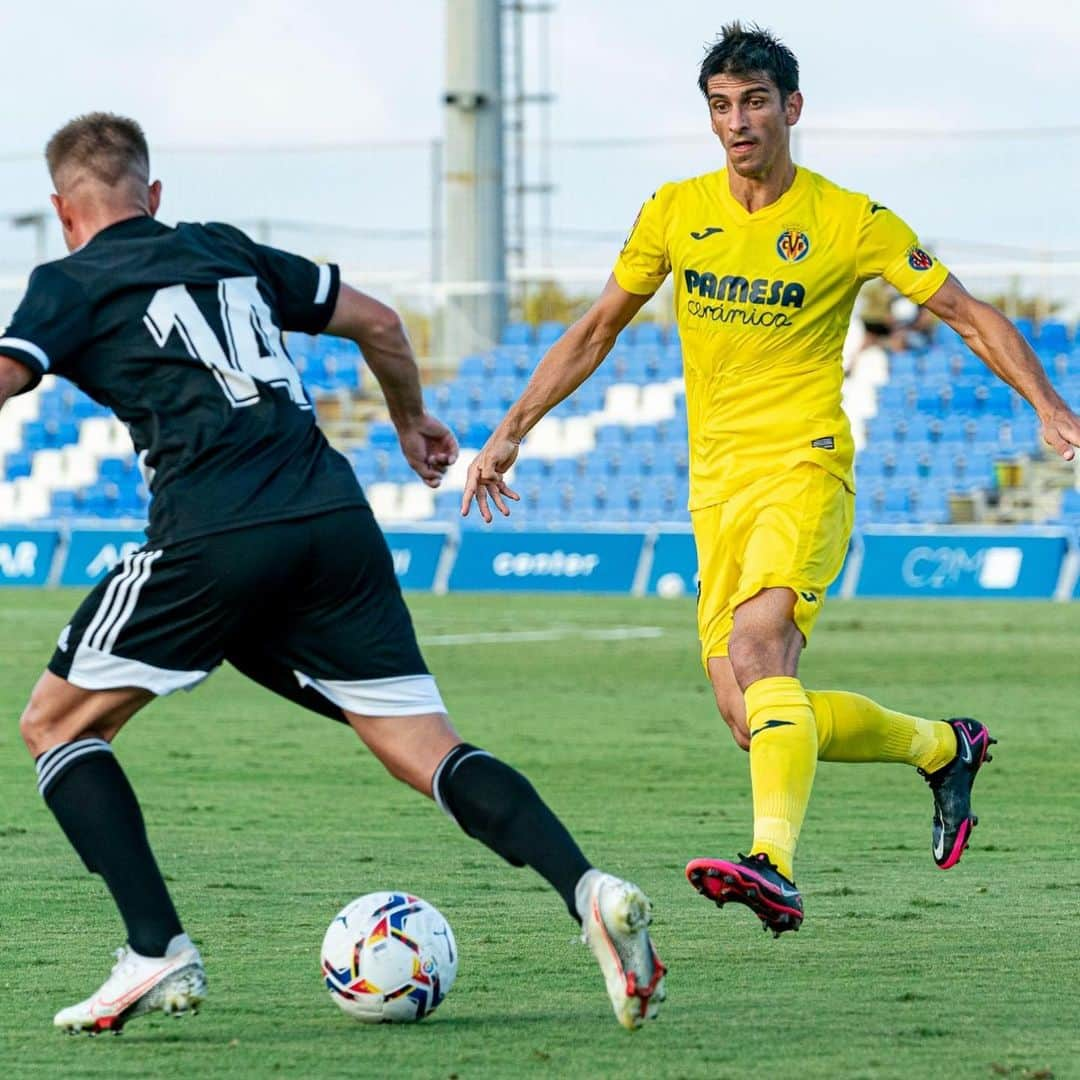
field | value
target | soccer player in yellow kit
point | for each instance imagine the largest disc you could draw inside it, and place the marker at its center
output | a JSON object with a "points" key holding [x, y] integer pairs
{"points": [[767, 260]]}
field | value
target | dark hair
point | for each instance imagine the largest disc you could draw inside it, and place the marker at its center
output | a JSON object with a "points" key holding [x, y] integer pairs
{"points": [[108, 146], [750, 51]]}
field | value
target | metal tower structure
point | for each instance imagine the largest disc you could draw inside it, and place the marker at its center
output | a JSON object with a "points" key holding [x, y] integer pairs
{"points": [[474, 248], [527, 83]]}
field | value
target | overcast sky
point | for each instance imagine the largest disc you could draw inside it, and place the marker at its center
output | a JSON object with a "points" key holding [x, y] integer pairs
{"points": [[273, 72]]}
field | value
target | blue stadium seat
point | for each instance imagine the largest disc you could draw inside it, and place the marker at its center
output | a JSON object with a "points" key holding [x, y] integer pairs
{"points": [[999, 400], [517, 334], [647, 333], [881, 428], [1053, 337], [382, 435], [964, 399], [1026, 327], [930, 399], [914, 428], [549, 332], [903, 365], [17, 463], [937, 365], [610, 435], [1070, 504], [894, 399], [472, 366]]}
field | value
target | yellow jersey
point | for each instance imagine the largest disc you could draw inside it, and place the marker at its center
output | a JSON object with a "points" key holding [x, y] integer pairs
{"points": [[763, 301]]}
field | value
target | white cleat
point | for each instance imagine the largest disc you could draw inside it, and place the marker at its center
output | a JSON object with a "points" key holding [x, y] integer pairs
{"points": [[173, 984], [615, 921]]}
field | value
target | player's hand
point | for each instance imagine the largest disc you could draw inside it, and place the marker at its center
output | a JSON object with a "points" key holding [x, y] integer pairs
{"points": [[486, 477], [429, 447], [1061, 432]]}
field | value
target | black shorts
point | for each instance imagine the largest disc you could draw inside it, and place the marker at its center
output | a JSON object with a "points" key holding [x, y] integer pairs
{"points": [[310, 608]]}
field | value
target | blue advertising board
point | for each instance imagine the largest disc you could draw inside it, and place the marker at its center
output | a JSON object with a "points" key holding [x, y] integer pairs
{"points": [[674, 570], [547, 561], [26, 555], [92, 553], [416, 557], [959, 564]]}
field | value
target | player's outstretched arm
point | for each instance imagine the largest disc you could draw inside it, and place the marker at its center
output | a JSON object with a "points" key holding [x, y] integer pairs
{"points": [[13, 377], [994, 339], [564, 367], [428, 444]]}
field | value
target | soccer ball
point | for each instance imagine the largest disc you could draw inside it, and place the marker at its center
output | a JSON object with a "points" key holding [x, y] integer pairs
{"points": [[389, 957]]}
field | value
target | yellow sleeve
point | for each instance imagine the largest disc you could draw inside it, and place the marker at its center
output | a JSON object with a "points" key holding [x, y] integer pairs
{"points": [[643, 262], [889, 248]]}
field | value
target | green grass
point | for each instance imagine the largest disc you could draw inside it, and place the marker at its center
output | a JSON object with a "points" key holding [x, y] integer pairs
{"points": [[268, 820]]}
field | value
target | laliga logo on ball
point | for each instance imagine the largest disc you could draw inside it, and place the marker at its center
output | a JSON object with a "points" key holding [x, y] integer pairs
{"points": [[792, 245]]}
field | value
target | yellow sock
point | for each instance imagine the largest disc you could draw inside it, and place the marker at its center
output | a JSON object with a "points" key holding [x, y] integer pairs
{"points": [[851, 727], [783, 759]]}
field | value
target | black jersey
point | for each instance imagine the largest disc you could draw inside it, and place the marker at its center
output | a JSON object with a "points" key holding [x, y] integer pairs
{"points": [[178, 331]]}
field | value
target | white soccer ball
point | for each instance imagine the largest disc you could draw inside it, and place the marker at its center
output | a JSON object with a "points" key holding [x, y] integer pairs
{"points": [[389, 957]]}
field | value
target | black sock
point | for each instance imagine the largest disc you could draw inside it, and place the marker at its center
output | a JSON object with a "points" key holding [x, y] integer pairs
{"points": [[86, 789], [496, 805]]}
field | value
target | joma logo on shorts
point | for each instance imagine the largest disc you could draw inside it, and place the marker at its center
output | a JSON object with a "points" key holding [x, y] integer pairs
{"points": [[733, 287]]}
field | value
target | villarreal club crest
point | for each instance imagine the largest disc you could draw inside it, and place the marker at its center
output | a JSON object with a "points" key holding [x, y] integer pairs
{"points": [[793, 245]]}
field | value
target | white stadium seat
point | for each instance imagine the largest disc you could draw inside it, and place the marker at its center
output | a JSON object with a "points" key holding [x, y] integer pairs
{"points": [[416, 502], [31, 501], [384, 500], [621, 403], [47, 469], [657, 403], [80, 469]]}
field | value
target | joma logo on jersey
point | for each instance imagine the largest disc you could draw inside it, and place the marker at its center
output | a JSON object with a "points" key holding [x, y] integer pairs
{"points": [[742, 290]]}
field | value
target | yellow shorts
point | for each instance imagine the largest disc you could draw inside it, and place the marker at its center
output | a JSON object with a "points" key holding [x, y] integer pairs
{"points": [[790, 530]]}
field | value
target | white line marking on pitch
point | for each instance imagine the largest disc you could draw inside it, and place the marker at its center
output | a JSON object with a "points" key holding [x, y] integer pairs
{"points": [[554, 633]]}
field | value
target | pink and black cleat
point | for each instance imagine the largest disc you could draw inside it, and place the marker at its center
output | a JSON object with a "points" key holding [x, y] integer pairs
{"points": [[951, 787], [753, 881]]}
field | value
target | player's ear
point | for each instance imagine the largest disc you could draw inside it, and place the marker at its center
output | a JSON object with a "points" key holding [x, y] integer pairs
{"points": [[793, 108], [154, 197], [61, 211]]}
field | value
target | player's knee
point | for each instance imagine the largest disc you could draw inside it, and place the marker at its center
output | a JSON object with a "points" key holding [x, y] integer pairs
{"points": [[758, 655], [733, 709], [37, 725], [751, 655]]}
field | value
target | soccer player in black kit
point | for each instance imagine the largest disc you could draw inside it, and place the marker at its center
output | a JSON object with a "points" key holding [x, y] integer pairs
{"points": [[261, 551]]}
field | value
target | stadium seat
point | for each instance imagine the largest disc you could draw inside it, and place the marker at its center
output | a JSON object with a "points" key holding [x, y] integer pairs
{"points": [[472, 366], [517, 334], [1053, 337], [1025, 327], [547, 333]]}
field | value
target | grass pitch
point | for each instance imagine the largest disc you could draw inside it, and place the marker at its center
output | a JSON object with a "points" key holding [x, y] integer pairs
{"points": [[267, 820]]}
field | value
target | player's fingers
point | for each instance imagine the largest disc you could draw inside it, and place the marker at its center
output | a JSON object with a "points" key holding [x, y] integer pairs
{"points": [[497, 499], [482, 503], [469, 492], [1056, 441], [509, 492]]}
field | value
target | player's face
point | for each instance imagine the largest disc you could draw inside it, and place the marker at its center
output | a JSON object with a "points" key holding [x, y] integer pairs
{"points": [[751, 121]]}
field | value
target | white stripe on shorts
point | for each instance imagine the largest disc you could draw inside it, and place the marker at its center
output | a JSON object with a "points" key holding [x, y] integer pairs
{"points": [[132, 600], [93, 669], [400, 695], [119, 601]]}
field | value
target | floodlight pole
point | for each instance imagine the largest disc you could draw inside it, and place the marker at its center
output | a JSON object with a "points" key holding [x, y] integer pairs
{"points": [[474, 243]]}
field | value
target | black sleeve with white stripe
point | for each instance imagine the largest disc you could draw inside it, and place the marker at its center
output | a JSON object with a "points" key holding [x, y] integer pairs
{"points": [[306, 292], [50, 325]]}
